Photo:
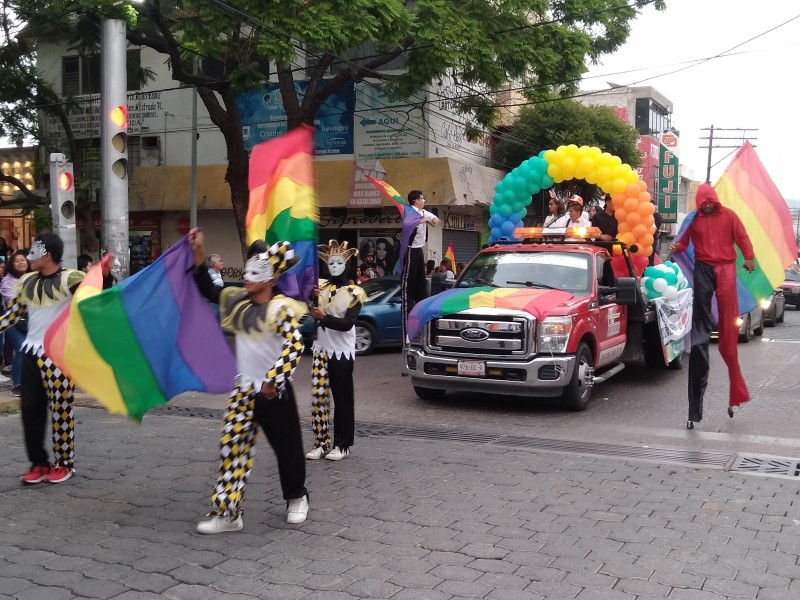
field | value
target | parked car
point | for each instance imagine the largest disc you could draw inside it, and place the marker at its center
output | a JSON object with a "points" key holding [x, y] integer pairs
{"points": [[791, 286], [774, 308], [750, 324], [379, 322]]}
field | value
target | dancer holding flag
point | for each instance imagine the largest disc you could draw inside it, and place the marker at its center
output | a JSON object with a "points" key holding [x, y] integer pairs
{"points": [[42, 294]]}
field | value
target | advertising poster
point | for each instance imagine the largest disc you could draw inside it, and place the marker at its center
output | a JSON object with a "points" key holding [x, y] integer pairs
{"points": [[668, 177], [384, 247], [387, 129], [263, 118]]}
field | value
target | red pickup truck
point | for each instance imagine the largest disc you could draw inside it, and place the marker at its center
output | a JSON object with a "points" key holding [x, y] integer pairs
{"points": [[599, 322]]}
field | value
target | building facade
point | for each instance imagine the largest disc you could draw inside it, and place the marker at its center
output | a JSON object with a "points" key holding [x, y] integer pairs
{"points": [[418, 143]]}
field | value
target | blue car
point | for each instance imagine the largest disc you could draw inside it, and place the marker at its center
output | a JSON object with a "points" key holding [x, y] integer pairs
{"points": [[379, 323]]}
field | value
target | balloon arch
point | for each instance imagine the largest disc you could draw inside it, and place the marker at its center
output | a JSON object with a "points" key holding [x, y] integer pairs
{"points": [[632, 206]]}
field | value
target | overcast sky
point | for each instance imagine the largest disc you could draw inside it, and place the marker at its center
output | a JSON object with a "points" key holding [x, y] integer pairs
{"points": [[753, 84]]}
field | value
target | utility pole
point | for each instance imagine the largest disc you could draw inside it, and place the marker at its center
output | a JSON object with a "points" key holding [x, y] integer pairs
{"points": [[193, 188], [114, 146], [742, 137]]}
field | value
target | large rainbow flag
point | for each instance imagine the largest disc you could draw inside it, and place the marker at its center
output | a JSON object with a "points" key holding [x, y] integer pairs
{"points": [[746, 188], [283, 204], [411, 218], [537, 302], [144, 341]]}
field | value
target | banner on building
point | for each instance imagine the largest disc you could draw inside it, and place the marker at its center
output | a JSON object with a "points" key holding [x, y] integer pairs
{"points": [[385, 128], [263, 117], [363, 194]]}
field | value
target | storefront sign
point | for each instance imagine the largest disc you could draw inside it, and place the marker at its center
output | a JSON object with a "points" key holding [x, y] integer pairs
{"points": [[668, 177], [359, 219], [462, 221], [263, 117]]}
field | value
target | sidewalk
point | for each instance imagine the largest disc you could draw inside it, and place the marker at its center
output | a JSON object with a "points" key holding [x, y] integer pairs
{"points": [[400, 518]]}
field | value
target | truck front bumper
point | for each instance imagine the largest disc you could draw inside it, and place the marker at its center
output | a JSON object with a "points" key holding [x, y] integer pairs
{"points": [[542, 376]]}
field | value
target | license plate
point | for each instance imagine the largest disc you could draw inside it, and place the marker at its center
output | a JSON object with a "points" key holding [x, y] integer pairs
{"points": [[472, 368]]}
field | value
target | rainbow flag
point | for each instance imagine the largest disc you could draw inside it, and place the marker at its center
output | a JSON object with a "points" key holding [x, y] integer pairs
{"points": [[411, 218], [451, 256], [537, 302], [283, 204], [746, 188], [144, 341]]}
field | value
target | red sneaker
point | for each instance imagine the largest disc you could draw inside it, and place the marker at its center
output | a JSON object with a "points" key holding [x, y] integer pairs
{"points": [[59, 474], [36, 474]]}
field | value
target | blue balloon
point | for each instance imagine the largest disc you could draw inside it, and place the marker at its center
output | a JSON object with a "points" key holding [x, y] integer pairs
{"points": [[496, 234], [507, 228]]}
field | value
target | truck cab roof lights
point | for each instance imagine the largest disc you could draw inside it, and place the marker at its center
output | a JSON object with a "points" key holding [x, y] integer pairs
{"points": [[579, 233]]}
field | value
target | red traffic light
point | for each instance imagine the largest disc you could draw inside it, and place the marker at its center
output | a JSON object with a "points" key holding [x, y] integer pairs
{"points": [[119, 116], [65, 181]]}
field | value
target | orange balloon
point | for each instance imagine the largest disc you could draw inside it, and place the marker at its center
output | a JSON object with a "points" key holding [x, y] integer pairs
{"points": [[649, 207], [621, 215], [643, 210], [633, 190], [616, 250], [643, 250], [644, 197], [618, 200], [623, 228], [633, 219], [650, 222], [627, 238], [640, 231], [631, 204], [642, 185], [647, 240]]}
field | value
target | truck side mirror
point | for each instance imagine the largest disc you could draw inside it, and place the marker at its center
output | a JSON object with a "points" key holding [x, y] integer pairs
{"points": [[627, 291]]}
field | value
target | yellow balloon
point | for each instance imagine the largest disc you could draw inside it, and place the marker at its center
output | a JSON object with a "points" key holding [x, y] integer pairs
{"points": [[554, 170], [594, 152], [618, 186], [586, 165], [632, 177], [548, 155], [568, 166]]}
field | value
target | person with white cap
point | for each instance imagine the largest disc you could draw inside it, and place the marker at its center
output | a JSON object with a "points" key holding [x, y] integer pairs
{"points": [[268, 348], [575, 217]]}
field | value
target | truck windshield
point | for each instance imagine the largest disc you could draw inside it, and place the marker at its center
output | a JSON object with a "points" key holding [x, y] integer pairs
{"points": [[549, 270]]}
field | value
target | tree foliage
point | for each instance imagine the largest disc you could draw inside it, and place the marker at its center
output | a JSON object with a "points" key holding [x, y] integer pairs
{"points": [[540, 45]]}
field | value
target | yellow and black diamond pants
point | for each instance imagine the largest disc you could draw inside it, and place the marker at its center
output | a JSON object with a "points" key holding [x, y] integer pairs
{"points": [[278, 418], [46, 389], [332, 378]]}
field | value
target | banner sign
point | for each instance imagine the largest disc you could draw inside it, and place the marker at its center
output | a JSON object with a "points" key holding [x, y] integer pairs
{"points": [[675, 323], [669, 177]]}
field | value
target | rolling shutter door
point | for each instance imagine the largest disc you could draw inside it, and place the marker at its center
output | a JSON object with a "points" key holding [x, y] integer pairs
{"points": [[465, 244]]}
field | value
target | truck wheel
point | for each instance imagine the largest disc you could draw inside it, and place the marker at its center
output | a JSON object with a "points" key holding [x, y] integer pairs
{"points": [[428, 393], [578, 391]]}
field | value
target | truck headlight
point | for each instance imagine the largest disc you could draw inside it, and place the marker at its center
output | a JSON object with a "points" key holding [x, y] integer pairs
{"points": [[554, 334]]}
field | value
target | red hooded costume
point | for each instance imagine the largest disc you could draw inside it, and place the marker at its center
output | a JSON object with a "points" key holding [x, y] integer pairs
{"points": [[714, 236]]}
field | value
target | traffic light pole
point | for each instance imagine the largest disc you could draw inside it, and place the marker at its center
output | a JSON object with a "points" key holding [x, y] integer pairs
{"points": [[62, 203], [114, 234]]}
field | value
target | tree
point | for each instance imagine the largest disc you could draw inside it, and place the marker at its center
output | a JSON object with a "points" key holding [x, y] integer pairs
{"points": [[562, 122], [482, 44]]}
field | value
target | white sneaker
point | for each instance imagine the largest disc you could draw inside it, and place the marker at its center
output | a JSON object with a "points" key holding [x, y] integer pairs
{"points": [[4, 379], [338, 454], [297, 510], [220, 525], [316, 453]]}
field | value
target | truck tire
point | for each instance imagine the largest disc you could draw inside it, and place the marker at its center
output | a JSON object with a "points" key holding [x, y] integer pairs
{"points": [[428, 393], [577, 393]]}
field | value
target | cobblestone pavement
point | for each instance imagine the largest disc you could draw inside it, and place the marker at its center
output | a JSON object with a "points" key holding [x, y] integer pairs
{"points": [[401, 518]]}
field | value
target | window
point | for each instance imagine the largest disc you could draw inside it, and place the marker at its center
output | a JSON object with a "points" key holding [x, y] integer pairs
{"points": [[83, 74]]}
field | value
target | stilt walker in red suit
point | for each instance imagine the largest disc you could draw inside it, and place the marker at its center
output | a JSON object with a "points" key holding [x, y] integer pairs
{"points": [[714, 231]]}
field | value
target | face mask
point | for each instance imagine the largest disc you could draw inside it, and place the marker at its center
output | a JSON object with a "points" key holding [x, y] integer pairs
{"points": [[258, 269], [336, 265], [37, 251]]}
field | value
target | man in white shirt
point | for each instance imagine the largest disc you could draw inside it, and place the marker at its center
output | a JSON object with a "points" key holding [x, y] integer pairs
{"points": [[416, 288], [575, 217]]}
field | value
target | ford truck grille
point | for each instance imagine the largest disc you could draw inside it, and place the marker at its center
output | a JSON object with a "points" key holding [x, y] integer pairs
{"points": [[481, 336]]}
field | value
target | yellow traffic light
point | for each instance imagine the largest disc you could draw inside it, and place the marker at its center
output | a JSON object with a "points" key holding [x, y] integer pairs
{"points": [[119, 116], [65, 181]]}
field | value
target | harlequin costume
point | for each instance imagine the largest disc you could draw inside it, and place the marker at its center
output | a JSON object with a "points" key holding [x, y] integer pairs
{"points": [[714, 236], [334, 352], [45, 388], [268, 348]]}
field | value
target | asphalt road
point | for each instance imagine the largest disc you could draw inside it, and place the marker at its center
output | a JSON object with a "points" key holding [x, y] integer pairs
{"points": [[638, 406]]}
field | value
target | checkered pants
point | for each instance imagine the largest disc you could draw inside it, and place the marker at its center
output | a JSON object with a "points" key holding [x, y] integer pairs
{"points": [[247, 411], [320, 400], [45, 386]]}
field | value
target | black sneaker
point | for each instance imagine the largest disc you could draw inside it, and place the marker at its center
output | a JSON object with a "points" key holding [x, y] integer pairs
{"points": [[16, 390]]}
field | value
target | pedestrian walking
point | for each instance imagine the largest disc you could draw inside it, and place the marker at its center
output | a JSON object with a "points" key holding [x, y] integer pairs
{"points": [[335, 308], [42, 294], [714, 231], [268, 348]]}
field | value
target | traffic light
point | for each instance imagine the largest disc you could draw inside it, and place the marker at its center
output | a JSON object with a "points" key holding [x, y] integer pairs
{"points": [[118, 132], [62, 200]]}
